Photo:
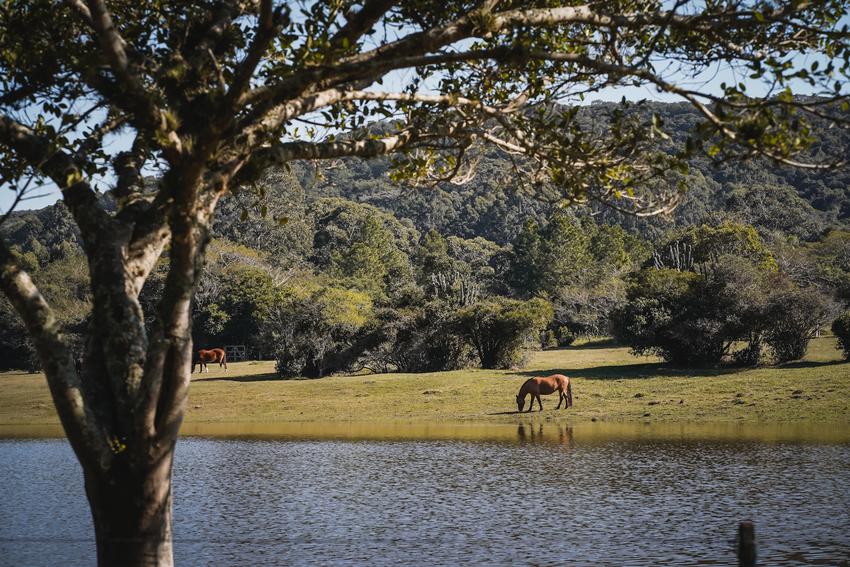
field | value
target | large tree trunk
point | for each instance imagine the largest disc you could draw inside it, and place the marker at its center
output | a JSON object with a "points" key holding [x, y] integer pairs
{"points": [[122, 413], [131, 508]]}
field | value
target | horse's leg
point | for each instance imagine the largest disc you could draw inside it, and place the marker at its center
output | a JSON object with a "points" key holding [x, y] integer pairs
{"points": [[560, 399], [539, 401]]}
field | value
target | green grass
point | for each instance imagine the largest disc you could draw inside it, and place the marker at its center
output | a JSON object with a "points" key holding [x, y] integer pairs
{"points": [[609, 385]]}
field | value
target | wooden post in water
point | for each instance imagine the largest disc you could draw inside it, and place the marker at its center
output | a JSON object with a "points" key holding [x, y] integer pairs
{"points": [[746, 544]]}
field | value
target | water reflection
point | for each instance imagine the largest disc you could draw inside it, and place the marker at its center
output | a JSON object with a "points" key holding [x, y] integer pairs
{"points": [[561, 434], [525, 429], [548, 495]]}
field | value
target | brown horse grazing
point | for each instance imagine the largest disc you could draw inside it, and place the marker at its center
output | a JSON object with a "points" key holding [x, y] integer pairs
{"points": [[202, 357], [548, 385]]}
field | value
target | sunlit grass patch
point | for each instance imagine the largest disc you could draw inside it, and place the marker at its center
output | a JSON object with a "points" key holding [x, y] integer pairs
{"points": [[609, 385]]}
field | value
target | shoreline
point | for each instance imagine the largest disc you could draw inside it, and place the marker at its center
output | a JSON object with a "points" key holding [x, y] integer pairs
{"points": [[529, 431], [610, 386]]}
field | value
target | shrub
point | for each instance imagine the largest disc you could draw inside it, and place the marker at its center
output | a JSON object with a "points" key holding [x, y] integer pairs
{"points": [[793, 315], [548, 339], [315, 332], [841, 328], [499, 328], [424, 339], [691, 318], [564, 336], [656, 318], [750, 355]]}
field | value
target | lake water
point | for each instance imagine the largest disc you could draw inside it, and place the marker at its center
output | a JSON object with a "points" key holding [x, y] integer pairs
{"points": [[532, 495]]}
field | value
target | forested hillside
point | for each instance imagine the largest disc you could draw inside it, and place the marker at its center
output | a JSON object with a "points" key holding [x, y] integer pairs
{"points": [[793, 201], [494, 204], [339, 267]]}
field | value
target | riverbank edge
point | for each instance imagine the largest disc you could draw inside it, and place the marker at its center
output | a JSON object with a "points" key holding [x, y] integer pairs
{"points": [[533, 429]]}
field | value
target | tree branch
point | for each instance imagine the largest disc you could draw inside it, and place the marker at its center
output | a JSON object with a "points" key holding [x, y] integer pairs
{"points": [[128, 168], [81, 199], [282, 153], [165, 381], [81, 426], [128, 93], [360, 22], [112, 45], [82, 10], [269, 23], [690, 96], [407, 52], [413, 49]]}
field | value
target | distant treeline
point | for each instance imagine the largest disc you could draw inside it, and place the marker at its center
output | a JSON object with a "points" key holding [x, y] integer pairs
{"points": [[329, 285]]}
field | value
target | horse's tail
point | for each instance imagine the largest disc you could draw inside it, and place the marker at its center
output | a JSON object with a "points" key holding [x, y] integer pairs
{"points": [[224, 359], [569, 393]]}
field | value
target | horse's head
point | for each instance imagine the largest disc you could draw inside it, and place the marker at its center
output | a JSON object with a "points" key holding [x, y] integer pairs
{"points": [[520, 402]]}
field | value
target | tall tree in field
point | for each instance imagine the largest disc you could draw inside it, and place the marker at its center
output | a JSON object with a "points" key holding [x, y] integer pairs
{"points": [[207, 94]]}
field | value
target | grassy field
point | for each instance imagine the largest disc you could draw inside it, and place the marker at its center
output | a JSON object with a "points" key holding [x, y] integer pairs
{"points": [[609, 385]]}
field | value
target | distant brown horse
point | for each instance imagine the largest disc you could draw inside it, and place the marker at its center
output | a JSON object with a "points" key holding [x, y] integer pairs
{"points": [[548, 385], [212, 355]]}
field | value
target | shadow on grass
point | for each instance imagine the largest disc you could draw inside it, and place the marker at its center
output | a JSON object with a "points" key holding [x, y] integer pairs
{"points": [[267, 377], [632, 371], [649, 369], [810, 364], [590, 345]]}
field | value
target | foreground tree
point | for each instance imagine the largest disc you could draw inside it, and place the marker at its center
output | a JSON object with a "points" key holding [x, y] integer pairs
{"points": [[207, 94]]}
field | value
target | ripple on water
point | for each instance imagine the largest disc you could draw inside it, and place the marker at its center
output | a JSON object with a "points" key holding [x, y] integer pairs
{"points": [[619, 502]]}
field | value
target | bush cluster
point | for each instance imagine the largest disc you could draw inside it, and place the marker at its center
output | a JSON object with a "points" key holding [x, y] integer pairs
{"points": [[841, 328], [698, 317]]}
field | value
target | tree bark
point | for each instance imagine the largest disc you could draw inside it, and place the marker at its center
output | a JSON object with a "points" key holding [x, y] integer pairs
{"points": [[131, 509]]}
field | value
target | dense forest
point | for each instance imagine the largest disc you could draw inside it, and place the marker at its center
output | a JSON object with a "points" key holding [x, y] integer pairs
{"points": [[794, 201], [337, 267]]}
